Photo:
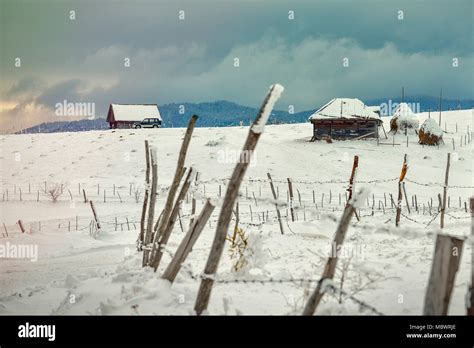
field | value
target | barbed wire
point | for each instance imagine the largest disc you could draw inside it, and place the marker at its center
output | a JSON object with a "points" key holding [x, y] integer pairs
{"points": [[297, 281], [430, 184]]}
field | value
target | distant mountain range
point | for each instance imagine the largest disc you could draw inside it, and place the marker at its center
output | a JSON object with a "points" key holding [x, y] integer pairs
{"points": [[224, 114]]}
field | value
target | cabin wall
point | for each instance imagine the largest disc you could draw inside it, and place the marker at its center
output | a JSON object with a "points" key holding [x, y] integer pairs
{"points": [[342, 129], [121, 124]]}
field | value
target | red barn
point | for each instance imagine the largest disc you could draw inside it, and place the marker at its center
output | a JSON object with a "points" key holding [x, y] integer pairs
{"points": [[125, 115]]}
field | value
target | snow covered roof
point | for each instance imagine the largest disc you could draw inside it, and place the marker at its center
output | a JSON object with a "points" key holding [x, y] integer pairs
{"points": [[135, 112], [375, 108], [344, 108]]}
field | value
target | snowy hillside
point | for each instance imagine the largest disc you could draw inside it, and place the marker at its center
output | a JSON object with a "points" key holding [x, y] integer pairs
{"points": [[384, 266]]}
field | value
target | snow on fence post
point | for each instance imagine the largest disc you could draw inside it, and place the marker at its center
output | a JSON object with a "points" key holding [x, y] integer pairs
{"points": [[96, 218], [167, 210], [188, 241], [141, 237], [290, 190], [151, 206], [162, 239], [276, 203], [446, 261], [231, 195], [331, 263], [470, 305], [400, 193], [445, 190]]}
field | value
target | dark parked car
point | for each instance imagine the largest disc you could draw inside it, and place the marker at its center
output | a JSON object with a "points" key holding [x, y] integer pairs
{"points": [[148, 123]]}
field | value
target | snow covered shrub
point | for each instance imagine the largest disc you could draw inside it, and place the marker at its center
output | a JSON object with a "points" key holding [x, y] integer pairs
{"points": [[430, 133]]}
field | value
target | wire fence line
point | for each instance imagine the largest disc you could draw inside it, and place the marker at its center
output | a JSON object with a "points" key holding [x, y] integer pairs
{"points": [[131, 188], [328, 286], [122, 222]]}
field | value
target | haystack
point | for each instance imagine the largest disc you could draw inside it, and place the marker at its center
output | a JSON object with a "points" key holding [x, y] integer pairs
{"points": [[430, 133], [404, 120]]}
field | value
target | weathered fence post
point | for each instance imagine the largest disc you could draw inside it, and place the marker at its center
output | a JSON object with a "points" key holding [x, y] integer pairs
{"points": [[400, 194], [167, 210], [446, 261], [188, 241], [232, 192], [141, 237], [22, 228], [151, 207], [290, 190], [162, 239], [276, 203], [330, 268], [406, 197], [445, 191], [96, 218], [350, 189], [470, 306]]}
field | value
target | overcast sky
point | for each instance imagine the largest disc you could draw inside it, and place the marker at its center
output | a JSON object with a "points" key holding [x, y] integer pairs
{"points": [[192, 60]]}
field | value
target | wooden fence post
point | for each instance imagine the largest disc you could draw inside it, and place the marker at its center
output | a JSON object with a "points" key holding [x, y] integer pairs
{"points": [[350, 189], [290, 190], [237, 220], [406, 197], [330, 268], [232, 192], [96, 218], [445, 191], [276, 203], [151, 206], [167, 210], [400, 194], [446, 261], [470, 307], [22, 228], [141, 237], [162, 239], [188, 242]]}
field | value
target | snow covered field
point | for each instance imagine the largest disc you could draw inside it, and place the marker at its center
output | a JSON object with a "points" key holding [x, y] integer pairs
{"points": [[75, 273]]}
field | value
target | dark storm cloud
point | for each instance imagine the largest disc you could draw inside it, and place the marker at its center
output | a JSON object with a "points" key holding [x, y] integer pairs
{"points": [[192, 59]]}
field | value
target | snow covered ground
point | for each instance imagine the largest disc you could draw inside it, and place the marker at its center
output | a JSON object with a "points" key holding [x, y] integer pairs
{"points": [[74, 273]]}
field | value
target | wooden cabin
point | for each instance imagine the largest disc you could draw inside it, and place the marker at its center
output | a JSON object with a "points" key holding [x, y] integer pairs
{"points": [[125, 115], [345, 118]]}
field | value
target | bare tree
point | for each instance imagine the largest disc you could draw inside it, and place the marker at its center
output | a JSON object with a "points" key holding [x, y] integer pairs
{"points": [[54, 191]]}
